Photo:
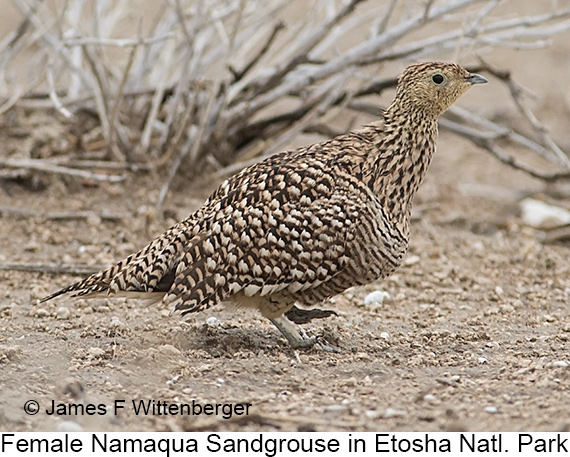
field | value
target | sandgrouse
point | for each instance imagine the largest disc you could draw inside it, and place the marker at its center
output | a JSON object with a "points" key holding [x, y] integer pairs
{"points": [[300, 226]]}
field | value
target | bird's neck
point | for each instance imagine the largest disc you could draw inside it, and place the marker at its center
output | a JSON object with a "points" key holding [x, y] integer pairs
{"points": [[399, 160]]}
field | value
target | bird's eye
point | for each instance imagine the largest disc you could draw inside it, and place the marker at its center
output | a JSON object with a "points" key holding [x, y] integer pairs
{"points": [[438, 79]]}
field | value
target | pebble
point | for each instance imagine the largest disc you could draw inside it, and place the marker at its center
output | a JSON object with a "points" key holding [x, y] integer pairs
{"points": [[117, 323], [491, 409], [482, 360], [478, 246], [560, 364], [42, 312], [69, 426], [335, 408], [213, 321], [539, 214], [168, 350], [391, 412], [430, 397], [173, 380], [412, 260], [385, 335], [372, 414], [62, 313], [96, 352], [378, 296], [74, 388]]}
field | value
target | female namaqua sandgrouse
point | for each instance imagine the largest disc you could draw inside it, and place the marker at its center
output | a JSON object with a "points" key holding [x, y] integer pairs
{"points": [[300, 226]]}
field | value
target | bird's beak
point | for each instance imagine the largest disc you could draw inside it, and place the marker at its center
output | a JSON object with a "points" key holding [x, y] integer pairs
{"points": [[474, 78]]}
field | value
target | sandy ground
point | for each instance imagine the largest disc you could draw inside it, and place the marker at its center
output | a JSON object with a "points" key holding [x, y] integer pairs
{"points": [[475, 336]]}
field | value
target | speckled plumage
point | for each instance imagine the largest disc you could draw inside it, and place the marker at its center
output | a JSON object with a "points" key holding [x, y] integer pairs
{"points": [[300, 226]]}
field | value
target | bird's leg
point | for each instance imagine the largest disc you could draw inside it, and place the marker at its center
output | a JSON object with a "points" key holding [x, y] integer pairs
{"points": [[302, 316], [291, 333]]}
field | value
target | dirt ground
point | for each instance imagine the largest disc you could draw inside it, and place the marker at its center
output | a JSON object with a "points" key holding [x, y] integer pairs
{"points": [[475, 335]]}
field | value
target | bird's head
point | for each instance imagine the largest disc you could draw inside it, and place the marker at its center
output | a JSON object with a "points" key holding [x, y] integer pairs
{"points": [[430, 88]]}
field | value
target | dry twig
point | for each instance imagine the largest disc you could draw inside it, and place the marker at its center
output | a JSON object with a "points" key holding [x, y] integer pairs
{"points": [[52, 268], [220, 80]]}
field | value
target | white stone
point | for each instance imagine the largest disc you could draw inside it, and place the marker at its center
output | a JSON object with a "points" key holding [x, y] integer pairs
{"points": [[62, 313], [378, 296], [536, 213], [69, 426], [391, 412], [412, 260]]}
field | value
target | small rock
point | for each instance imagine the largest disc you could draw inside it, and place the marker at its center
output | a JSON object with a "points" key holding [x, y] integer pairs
{"points": [[385, 335], [212, 321], [539, 214], [62, 313], [42, 312], [491, 409], [372, 414], [74, 388], [336, 408], [173, 380], [31, 246], [10, 353], [430, 398], [169, 351], [560, 364], [69, 426], [378, 296], [96, 352], [412, 260], [482, 360], [478, 246], [522, 371], [391, 412], [117, 323]]}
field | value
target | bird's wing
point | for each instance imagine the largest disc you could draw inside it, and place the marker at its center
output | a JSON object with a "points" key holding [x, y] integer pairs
{"points": [[282, 224], [275, 229]]}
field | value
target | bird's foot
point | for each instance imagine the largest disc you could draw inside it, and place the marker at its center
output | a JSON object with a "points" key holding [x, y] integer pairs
{"points": [[298, 340], [302, 316]]}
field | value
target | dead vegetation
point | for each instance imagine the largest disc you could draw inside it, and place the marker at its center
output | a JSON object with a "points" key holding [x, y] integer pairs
{"points": [[220, 83]]}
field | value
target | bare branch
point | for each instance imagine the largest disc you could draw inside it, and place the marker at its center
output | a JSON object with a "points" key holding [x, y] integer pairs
{"points": [[66, 215], [52, 268], [48, 167], [240, 74], [220, 80]]}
